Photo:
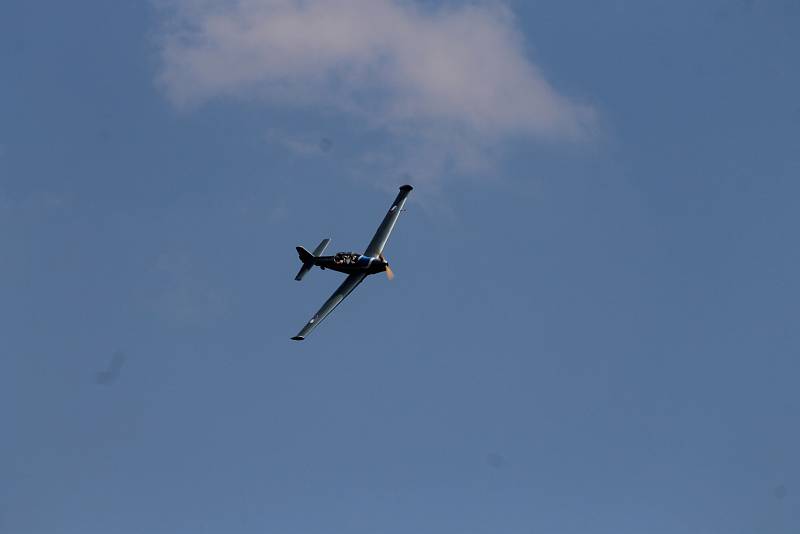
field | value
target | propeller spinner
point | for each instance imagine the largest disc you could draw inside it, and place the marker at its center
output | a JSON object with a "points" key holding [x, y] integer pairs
{"points": [[389, 273]]}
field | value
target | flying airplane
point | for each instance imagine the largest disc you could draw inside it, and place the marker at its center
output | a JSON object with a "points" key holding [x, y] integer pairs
{"points": [[356, 266]]}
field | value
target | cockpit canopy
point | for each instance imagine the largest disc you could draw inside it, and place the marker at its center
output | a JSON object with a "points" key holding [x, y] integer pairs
{"points": [[346, 258]]}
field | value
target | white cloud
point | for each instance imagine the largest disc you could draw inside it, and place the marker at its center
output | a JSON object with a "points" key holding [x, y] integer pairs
{"points": [[459, 73]]}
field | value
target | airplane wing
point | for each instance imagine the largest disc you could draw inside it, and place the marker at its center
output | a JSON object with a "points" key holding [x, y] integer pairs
{"points": [[347, 287], [375, 246]]}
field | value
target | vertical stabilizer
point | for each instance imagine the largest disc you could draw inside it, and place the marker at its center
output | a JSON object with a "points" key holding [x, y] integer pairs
{"points": [[308, 258]]}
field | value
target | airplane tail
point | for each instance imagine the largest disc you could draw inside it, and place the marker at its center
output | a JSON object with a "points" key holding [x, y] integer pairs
{"points": [[308, 258]]}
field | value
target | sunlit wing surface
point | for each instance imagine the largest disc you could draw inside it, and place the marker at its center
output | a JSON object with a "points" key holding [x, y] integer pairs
{"points": [[347, 287], [375, 246]]}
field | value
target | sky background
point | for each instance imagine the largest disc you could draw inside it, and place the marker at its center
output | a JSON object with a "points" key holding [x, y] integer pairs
{"points": [[594, 322]]}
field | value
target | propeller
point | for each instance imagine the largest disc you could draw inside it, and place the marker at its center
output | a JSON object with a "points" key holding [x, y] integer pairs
{"points": [[389, 273]]}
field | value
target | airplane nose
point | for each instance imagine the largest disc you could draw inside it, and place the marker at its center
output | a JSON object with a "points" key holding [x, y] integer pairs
{"points": [[379, 265]]}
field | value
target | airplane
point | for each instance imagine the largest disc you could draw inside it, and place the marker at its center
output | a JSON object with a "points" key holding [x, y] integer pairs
{"points": [[356, 266]]}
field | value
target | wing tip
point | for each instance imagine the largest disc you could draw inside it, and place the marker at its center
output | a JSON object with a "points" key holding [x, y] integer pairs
{"points": [[298, 338], [406, 187]]}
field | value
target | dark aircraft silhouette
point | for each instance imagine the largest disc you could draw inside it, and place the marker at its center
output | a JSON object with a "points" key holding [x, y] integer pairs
{"points": [[356, 266]]}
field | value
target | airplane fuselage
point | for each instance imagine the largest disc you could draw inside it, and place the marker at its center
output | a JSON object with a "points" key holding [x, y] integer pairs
{"points": [[350, 262]]}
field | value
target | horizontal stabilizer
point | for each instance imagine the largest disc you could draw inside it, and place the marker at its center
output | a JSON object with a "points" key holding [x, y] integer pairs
{"points": [[321, 247], [303, 270]]}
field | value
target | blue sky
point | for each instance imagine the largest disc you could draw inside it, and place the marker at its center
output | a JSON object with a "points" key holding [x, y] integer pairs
{"points": [[593, 325]]}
